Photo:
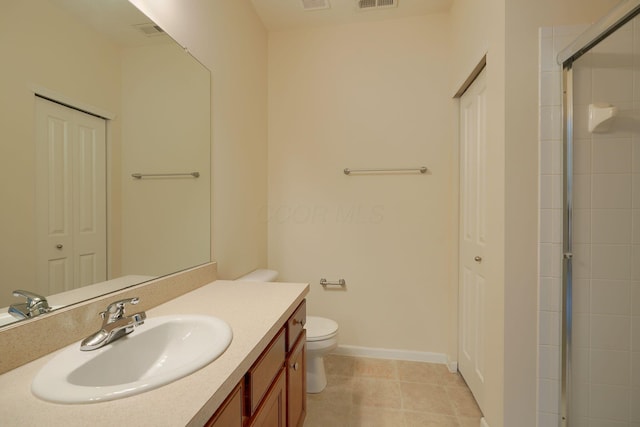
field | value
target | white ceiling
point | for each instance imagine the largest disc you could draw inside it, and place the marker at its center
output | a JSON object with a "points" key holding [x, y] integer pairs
{"points": [[117, 19], [287, 14]]}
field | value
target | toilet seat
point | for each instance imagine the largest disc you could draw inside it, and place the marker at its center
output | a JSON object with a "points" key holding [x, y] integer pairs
{"points": [[320, 328]]}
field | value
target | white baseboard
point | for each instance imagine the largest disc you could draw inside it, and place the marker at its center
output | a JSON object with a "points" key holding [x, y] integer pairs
{"points": [[483, 422], [453, 366], [384, 353]]}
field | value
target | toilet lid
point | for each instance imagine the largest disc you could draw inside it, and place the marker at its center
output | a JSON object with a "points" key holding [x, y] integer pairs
{"points": [[319, 328]]}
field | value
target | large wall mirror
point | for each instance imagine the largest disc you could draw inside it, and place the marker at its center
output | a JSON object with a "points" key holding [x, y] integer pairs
{"points": [[92, 92]]}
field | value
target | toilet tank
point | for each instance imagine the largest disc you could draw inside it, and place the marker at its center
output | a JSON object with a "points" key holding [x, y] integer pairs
{"points": [[260, 275]]}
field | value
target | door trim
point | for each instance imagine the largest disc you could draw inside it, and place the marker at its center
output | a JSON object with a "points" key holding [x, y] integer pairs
{"points": [[70, 102], [472, 77]]}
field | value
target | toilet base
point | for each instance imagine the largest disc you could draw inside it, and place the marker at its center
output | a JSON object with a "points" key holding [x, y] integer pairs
{"points": [[316, 377]]}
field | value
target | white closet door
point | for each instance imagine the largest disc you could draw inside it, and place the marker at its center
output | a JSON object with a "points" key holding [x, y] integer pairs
{"points": [[473, 237], [70, 197]]}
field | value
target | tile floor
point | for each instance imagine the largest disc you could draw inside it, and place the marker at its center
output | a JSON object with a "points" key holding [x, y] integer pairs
{"points": [[364, 392]]}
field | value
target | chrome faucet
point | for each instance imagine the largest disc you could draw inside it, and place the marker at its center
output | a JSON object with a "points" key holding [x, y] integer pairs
{"points": [[115, 325], [34, 306]]}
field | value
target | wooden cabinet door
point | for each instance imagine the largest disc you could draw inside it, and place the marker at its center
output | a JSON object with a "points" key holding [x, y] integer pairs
{"points": [[297, 383], [230, 412], [273, 408], [261, 375]]}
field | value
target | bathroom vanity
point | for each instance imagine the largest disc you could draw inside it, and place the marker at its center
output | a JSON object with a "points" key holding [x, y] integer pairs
{"points": [[258, 380], [273, 391]]}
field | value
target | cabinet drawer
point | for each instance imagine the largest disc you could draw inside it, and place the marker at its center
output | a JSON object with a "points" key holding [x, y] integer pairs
{"points": [[295, 324], [262, 373]]}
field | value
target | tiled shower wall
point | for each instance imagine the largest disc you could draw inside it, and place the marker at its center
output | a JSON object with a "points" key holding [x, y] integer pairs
{"points": [[606, 305]]}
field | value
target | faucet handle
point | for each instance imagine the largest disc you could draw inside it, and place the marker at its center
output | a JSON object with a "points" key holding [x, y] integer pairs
{"points": [[33, 300], [115, 310]]}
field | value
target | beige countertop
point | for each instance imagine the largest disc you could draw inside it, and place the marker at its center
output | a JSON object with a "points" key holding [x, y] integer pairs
{"points": [[255, 311]]}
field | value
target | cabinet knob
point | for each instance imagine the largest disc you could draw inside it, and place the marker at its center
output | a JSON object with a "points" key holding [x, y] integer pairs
{"points": [[478, 259], [298, 322], [295, 366], [59, 246]]}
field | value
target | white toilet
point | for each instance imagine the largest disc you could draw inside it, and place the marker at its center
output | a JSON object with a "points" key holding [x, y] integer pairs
{"points": [[322, 337]]}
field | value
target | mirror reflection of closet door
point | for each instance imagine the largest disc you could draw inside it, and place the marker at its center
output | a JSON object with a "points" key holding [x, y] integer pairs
{"points": [[70, 197]]}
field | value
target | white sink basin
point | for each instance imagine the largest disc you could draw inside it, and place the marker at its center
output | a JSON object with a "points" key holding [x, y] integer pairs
{"points": [[156, 353]]}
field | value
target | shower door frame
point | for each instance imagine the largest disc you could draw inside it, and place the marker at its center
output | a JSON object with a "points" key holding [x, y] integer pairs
{"points": [[607, 25], [567, 254]]}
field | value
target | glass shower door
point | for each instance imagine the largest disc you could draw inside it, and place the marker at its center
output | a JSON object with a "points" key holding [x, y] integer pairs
{"points": [[604, 370]]}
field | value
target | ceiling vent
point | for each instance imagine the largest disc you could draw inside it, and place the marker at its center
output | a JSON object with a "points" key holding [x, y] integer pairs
{"points": [[315, 4], [376, 4], [150, 30]]}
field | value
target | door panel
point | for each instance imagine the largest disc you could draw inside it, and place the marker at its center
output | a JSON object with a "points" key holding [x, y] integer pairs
{"points": [[70, 198], [53, 201], [473, 236], [90, 203], [468, 343], [58, 273]]}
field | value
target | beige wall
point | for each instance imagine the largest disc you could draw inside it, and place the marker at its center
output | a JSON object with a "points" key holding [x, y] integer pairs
{"points": [[40, 47], [509, 35], [362, 96], [165, 129], [230, 40]]}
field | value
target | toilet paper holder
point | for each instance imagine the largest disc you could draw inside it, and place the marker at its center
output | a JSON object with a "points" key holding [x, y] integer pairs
{"points": [[340, 282]]}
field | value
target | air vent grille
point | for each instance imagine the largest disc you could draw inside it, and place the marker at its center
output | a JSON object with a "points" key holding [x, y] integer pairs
{"points": [[365, 4], [150, 30], [315, 4], [376, 4]]}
